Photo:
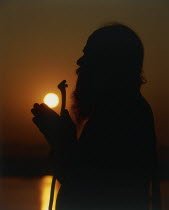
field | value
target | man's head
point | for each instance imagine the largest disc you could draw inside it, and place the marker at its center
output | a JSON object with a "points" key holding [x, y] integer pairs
{"points": [[112, 62]]}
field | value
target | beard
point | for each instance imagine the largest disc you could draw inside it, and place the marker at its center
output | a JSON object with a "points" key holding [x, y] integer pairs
{"points": [[81, 107]]}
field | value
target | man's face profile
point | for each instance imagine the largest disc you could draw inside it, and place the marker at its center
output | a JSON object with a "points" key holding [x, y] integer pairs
{"points": [[82, 93], [111, 65]]}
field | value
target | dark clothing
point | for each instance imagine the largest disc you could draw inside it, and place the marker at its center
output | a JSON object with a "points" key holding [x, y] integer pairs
{"points": [[110, 167]]}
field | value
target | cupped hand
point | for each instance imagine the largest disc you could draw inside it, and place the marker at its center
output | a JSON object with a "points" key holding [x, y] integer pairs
{"points": [[58, 130]]}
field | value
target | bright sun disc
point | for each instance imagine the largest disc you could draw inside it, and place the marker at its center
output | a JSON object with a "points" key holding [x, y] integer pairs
{"points": [[51, 100]]}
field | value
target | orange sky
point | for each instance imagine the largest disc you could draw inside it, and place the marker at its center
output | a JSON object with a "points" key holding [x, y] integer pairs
{"points": [[41, 41]]}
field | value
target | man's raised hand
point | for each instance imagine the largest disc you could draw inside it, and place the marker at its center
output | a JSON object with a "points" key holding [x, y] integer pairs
{"points": [[57, 129]]}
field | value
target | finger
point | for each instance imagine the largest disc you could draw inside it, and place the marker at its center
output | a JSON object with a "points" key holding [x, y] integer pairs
{"points": [[45, 107], [39, 124], [38, 110], [36, 121], [34, 112], [48, 111], [36, 106], [45, 110]]}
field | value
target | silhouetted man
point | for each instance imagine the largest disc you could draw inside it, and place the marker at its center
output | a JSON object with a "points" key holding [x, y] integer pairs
{"points": [[110, 165]]}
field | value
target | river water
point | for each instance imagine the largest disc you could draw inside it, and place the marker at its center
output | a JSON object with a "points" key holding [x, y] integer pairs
{"points": [[18, 193]]}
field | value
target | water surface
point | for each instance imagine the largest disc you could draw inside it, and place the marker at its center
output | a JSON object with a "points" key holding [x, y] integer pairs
{"points": [[18, 193], [25, 193]]}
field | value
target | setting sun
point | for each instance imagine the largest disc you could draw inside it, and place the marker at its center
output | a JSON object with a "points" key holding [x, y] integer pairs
{"points": [[51, 99]]}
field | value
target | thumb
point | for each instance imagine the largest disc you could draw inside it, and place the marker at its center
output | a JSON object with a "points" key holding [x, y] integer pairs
{"points": [[65, 114]]}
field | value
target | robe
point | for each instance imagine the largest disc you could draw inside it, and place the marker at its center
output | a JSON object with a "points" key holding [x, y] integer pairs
{"points": [[111, 165]]}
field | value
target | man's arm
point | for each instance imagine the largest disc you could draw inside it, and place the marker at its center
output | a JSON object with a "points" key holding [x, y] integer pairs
{"points": [[60, 133]]}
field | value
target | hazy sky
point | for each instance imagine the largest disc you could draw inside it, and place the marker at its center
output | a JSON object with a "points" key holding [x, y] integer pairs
{"points": [[41, 41]]}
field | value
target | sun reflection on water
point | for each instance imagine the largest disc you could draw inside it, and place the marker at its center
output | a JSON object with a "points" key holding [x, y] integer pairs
{"points": [[45, 192]]}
